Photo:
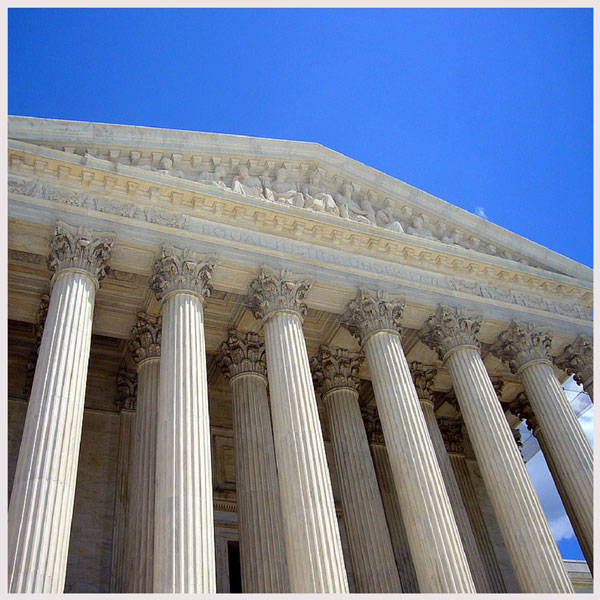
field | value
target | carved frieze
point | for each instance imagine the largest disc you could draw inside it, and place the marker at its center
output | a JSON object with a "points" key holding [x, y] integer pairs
{"points": [[577, 359], [335, 368], [450, 328], [181, 269], [242, 353], [145, 337], [575, 307], [373, 311], [521, 343], [73, 247], [274, 290]]}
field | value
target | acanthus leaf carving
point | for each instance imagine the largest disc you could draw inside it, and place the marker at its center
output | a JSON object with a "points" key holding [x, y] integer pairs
{"points": [[79, 247], [522, 343], [423, 377], [145, 337], [577, 359], [335, 368], [181, 269], [242, 353], [126, 390], [522, 409], [452, 434], [373, 425], [373, 311], [450, 328], [272, 291]]}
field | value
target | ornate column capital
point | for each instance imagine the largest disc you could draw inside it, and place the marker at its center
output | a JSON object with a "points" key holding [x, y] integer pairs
{"points": [[452, 434], [126, 389], [578, 359], [181, 270], [371, 312], [145, 337], [423, 377], [242, 353], [372, 426], [80, 248], [450, 328], [521, 408], [522, 343], [335, 368], [273, 291]]}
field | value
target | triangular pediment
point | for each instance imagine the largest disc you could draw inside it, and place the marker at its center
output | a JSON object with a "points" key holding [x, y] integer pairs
{"points": [[304, 175]]}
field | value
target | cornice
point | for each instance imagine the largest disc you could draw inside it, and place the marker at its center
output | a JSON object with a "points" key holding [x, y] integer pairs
{"points": [[172, 202], [186, 146]]}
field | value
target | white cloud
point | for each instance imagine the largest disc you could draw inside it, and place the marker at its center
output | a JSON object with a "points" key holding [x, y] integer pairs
{"points": [[480, 212], [561, 528]]}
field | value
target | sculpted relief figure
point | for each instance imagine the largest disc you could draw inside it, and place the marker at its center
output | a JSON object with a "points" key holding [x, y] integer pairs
{"points": [[419, 227], [215, 178], [384, 217], [348, 208], [282, 190], [247, 184], [316, 199]]}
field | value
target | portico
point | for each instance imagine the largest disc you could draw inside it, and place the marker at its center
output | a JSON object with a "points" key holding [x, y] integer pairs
{"points": [[258, 326]]}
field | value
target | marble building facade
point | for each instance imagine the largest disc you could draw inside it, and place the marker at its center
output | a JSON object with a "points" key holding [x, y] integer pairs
{"points": [[240, 364]]}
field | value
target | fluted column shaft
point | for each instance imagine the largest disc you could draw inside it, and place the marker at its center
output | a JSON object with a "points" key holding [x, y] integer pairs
{"points": [[371, 550], [436, 548], [477, 520], [119, 559], [184, 553], [260, 527], [41, 505], [404, 563], [565, 446], [534, 555], [140, 514], [478, 571], [314, 550]]}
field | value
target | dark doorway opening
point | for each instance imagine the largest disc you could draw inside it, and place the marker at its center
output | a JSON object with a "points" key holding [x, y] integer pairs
{"points": [[235, 571]]}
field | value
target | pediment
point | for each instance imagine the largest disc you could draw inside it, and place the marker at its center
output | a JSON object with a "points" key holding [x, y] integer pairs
{"points": [[304, 175]]}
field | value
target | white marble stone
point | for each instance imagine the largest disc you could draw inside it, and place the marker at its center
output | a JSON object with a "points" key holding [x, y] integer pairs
{"points": [[312, 538], [184, 550], [374, 568], [435, 544], [533, 551], [262, 551], [41, 504]]}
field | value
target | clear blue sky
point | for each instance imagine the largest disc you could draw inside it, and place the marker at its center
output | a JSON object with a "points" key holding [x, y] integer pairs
{"points": [[488, 108]]}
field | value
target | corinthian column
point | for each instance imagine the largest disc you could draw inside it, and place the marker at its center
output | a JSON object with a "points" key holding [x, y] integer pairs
{"points": [[126, 390], [453, 440], [534, 555], [260, 527], [144, 345], [391, 506], [312, 539], [578, 359], [525, 348], [41, 504], [436, 548], [335, 372], [521, 407], [423, 379], [184, 549]]}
